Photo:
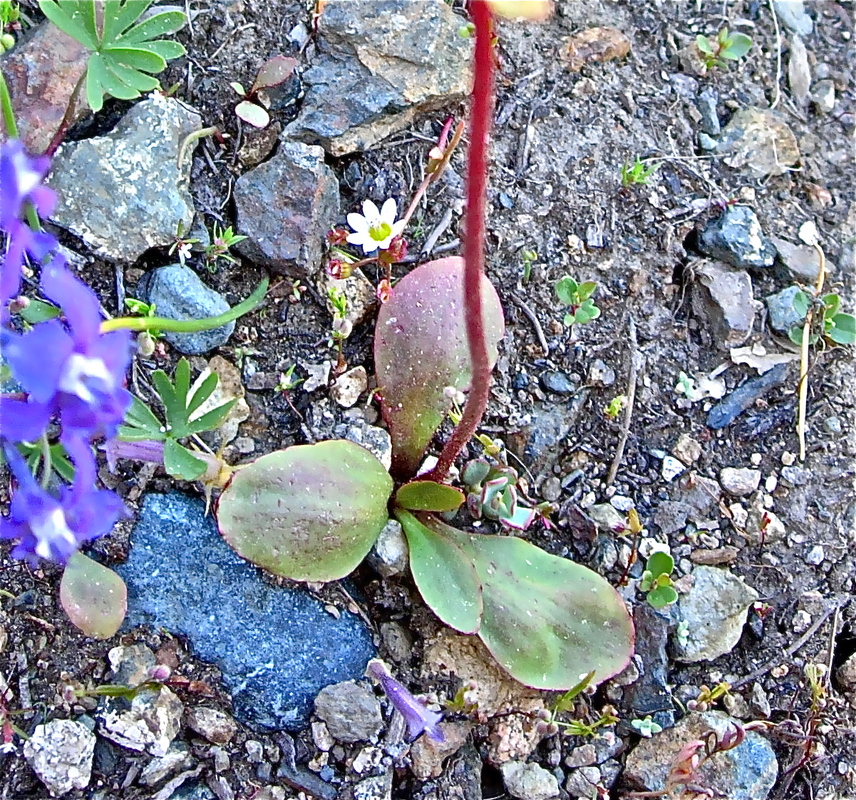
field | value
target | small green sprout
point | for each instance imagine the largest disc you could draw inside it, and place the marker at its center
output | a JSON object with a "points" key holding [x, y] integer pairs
{"points": [[578, 297], [529, 257], [182, 244], [687, 387], [287, 381], [724, 48], [9, 14], [646, 727], [461, 703], [223, 239], [615, 406], [140, 309], [566, 703], [342, 326], [682, 633], [656, 580], [637, 173], [707, 696], [838, 327]]}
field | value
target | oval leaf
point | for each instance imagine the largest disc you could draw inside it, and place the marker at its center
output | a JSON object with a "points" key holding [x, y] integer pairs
{"points": [[444, 575], [93, 596], [660, 563], [253, 114], [310, 513], [429, 496], [421, 348], [274, 71]]}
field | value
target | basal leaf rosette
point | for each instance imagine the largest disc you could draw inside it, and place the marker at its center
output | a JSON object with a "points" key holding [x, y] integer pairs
{"points": [[421, 349], [309, 512]]}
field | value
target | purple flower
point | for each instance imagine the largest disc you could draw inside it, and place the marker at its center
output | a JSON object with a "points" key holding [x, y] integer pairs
{"points": [[418, 718], [20, 183], [53, 528], [77, 373]]}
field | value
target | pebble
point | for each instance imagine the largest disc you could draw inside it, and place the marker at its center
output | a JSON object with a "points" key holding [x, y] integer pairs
{"points": [[222, 762], [706, 103], [60, 753], [528, 781], [723, 298], [737, 239], [255, 751], [823, 96], [321, 737], [583, 756], [427, 756], [650, 693], [606, 518], [582, 783], [799, 71], [671, 468], [744, 397], [178, 293], [759, 141], [378, 787], [215, 726], [801, 621], [846, 674], [551, 489], [348, 387], [390, 554], [621, 503], [318, 375], [781, 314], [792, 15], [687, 449], [832, 424], [557, 382], [175, 759], [739, 482], [707, 142], [815, 556], [350, 711], [601, 374], [759, 702], [597, 44]]}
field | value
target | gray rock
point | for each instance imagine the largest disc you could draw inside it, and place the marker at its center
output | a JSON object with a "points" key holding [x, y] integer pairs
{"points": [[178, 293], [582, 783], [60, 753], [558, 382], [213, 725], [734, 404], [823, 96], [739, 481], [149, 722], [706, 104], [233, 618], [389, 556], [707, 142], [800, 262], [746, 772], [736, 238], [362, 87], [781, 313], [528, 781], [601, 374], [378, 787], [715, 610], [650, 692], [759, 141], [350, 711], [799, 71], [723, 298], [582, 756], [285, 207], [607, 518], [539, 442], [376, 440], [846, 675], [175, 759], [792, 15], [124, 192]]}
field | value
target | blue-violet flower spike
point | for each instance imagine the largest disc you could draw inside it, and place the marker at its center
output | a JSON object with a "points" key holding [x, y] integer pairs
{"points": [[418, 718]]}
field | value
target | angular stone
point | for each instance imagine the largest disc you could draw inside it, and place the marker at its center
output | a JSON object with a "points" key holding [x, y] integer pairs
{"points": [[427, 756], [125, 192], [800, 262], [149, 722], [781, 314], [739, 481], [350, 711], [348, 387], [723, 297], [285, 207], [529, 781], [389, 556], [215, 726], [715, 610], [60, 753], [176, 758], [650, 693], [362, 87], [743, 397], [594, 44], [746, 772], [737, 239], [41, 73], [792, 15], [182, 576], [760, 141]]}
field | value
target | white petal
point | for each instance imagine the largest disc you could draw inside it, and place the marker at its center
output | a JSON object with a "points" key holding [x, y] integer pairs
{"points": [[398, 227], [388, 212], [370, 211], [358, 222], [364, 240]]}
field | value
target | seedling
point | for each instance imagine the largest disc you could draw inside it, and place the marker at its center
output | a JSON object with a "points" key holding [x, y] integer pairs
{"points": [[9, 15], [287, 381], [182, 244], [646, 727], [707, 696], [342, 327], [725, 47], [253, 108], [529, 257], [578, 297], [223, 239], [656, 580], [833, 326], [682, 633], [615, 406], [637, 173]]}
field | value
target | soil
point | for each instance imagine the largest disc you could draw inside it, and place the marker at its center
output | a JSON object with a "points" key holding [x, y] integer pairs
{"points": [[560, 142]]}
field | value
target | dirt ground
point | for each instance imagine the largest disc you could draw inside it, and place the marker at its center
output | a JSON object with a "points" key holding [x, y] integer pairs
{"points": [[560, 142]]}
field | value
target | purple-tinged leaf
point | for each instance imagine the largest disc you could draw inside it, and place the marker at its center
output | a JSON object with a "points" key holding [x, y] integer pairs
{"points": [[310, 512], [429, 496], [421, 349], [273, 72], [93, 596]]}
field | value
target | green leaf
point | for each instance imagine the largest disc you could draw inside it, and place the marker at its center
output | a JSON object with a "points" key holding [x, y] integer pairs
{"points": [[180, 462], [444, 574], [66, 17], [253, 114], [38, 311], [844, 331], [61, 463], [138, 58], [93, 596], [173, 408], [737, 46], [795, 334], [108, 81], [801, 303], [132, 77], [831, 304], [167, 49], [586, 290], [139, 416], [273, 72], [566, 701], [662, 596], [569, 320], [660, 563], [94, 90], [118, 17], [566, 290], [181, 381], [429, 496], [202, 393], [703, 44], [211, 420], [153, 28]]}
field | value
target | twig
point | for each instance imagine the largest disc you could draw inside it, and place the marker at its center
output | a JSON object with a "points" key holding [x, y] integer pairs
{"points": [[635, 366], [806, 335], [789, 651], [778, 94], [530, 315]]}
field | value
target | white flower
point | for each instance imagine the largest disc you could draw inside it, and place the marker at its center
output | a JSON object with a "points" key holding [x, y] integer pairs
{"points": [[375, 230]]}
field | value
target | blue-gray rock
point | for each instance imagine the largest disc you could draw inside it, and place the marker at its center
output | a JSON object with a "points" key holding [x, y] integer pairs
{"points": [[126, 192], [746, 772], [558, 382], [723, 298], [361, 87], [781, 313], [276, 647], [539, 443], [285, 207], [736, 238], [706, 104], [178, 293], [792, 15], [799, 262], [743, 397]]}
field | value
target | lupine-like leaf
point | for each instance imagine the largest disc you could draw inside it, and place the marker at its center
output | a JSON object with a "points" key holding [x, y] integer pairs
{"points": [[180, 462], [93, 596], [421, 348], [310, 512]]}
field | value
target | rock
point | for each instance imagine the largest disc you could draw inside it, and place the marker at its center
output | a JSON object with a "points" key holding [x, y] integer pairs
{"points": [[846, 675], [739, 482], [823, 96], [671, 516], [782, 315], [687, 449], [650, 692], [233, 618], [558, 382], [759, 703], [427, 756], [551, 489], [715, 610], [378, 787], [801, 263], [815, 556], [594, 45], [706, 104], [537, 443], [723, 298], [357, 289], [731, 406], [213, 725], [529, 781], [360, 89], [792, 15], [175, 759], [285, 207], [389, 556], [60, 753], [671, 468], [582, 783], [348, 387], [601, 374], [736, 238], [706, 142], [178, 293], [583, 756], [376, 440], [125, 192], [715, 556], [799, 72], [318, 376], [350, 711], [607, 518], [759, 141], [746, 772], [229, 387]]}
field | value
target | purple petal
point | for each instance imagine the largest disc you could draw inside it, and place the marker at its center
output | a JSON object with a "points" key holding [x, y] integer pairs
{"points": [[23, 421], [418, 718], [38, 358], [77, 300]]}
